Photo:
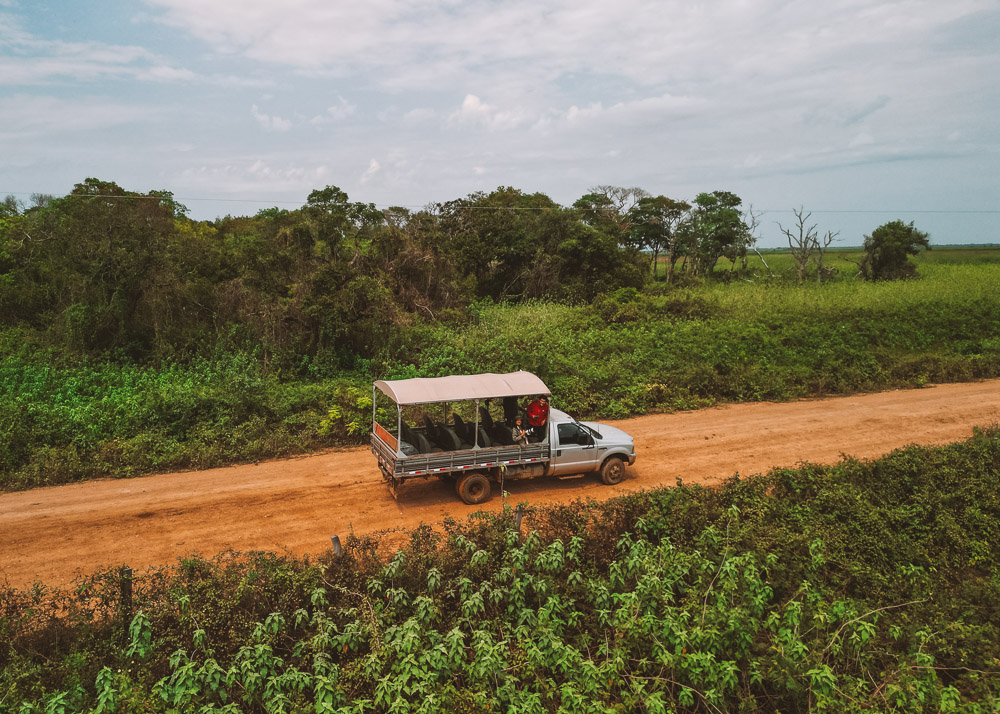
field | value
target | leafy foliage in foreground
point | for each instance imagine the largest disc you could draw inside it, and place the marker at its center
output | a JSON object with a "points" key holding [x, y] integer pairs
{"points": [[861, 585]]}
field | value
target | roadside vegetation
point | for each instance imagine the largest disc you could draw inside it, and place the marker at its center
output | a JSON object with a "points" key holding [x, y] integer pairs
{"points": [[627, 352], [868, 585], [135, 340]]}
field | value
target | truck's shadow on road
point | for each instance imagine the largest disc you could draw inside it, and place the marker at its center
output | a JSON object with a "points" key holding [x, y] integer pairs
{"points": [[434, 492]]}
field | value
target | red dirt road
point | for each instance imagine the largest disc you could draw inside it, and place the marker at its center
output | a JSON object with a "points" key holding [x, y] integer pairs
{"points": [[53, 534]]}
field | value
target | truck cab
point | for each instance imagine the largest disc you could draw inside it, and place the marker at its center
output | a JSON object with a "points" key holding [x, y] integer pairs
{"points": [[582, 447]]}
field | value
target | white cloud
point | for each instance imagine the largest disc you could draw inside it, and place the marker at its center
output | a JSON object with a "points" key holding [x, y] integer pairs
{"points": [[267, 121], [235, 81], [369, 174], [163, 73], [240, 175], [429, 41], [24, 116], [341, 110], [419, 115], [336, 112], [29, 60], [475, 111], [472, 110], [655, 110]]}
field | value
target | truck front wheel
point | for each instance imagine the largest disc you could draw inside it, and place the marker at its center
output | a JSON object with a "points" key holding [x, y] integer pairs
{"points": [[473, 488], [613, 471]]}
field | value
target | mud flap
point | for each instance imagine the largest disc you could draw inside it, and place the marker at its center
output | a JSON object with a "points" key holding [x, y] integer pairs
{"points": [[394, 486]]}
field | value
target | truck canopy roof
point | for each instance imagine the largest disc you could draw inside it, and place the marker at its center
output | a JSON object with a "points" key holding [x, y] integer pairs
{"points": [[460, 387]]}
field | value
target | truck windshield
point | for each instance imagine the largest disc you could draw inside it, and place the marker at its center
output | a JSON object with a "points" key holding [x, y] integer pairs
{"points": [[593, 432]]}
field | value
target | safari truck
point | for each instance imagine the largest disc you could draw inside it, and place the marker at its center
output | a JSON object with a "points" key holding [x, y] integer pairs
{"points": [[459, 429]]}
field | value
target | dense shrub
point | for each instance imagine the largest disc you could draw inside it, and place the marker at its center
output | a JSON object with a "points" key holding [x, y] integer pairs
{"points": [[62, 424], [887, 248]]}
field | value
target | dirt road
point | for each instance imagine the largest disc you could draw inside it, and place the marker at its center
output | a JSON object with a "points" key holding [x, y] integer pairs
{"points": [[53, 534]]}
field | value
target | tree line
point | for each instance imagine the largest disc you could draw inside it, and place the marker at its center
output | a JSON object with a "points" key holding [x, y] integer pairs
{"points": [[111, 272]]}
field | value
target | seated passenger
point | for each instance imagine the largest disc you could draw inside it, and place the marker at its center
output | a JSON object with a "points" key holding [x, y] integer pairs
{"points": [[518, 433]]}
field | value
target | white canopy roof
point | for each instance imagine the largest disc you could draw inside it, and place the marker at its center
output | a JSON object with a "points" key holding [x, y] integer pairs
{"points": [[459, 387]]}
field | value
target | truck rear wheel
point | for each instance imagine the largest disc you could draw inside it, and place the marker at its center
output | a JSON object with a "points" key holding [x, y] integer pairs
{"points": [[473, 488], [613, 471]]}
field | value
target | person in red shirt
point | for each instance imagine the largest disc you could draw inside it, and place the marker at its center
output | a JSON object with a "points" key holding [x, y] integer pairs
{"points": [[538, 415]]}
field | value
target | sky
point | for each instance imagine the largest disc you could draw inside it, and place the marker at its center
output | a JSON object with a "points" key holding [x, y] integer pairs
{"points": [[858, 111]]}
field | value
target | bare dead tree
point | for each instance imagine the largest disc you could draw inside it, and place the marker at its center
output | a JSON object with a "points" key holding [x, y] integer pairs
{"points": [[10, 206], [751, 220], [41, 200], [621, 197], [621, 200], [822, 244], [802, 241]]}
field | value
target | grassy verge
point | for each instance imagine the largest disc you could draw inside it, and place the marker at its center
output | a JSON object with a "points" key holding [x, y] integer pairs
{"points": [[72, 423], [864, 585], [631, 353]]}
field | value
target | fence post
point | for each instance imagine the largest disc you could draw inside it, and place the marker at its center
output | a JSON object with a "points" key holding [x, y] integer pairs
{"points": [[518, 515], [125, 603], [338, 550]]}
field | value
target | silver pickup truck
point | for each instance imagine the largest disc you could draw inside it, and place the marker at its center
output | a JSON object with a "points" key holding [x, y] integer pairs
{"points": [[459, 428]]}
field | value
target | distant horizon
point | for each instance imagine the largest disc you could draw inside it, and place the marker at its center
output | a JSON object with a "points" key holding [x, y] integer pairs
{"points": [[769, 236]]}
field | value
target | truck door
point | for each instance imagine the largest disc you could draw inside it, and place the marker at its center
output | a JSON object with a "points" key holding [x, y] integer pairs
{"points": [[574, 451]]}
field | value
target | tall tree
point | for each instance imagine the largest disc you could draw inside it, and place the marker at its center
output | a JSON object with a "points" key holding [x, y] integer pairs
{"points": [[412, 254], [495, 237], [577, 261], [714, 228], [98, 267], [654, 222], [609, 208]]}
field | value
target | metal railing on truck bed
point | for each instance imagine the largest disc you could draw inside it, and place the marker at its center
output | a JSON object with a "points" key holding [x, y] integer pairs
{"points": [[422, 465]]}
